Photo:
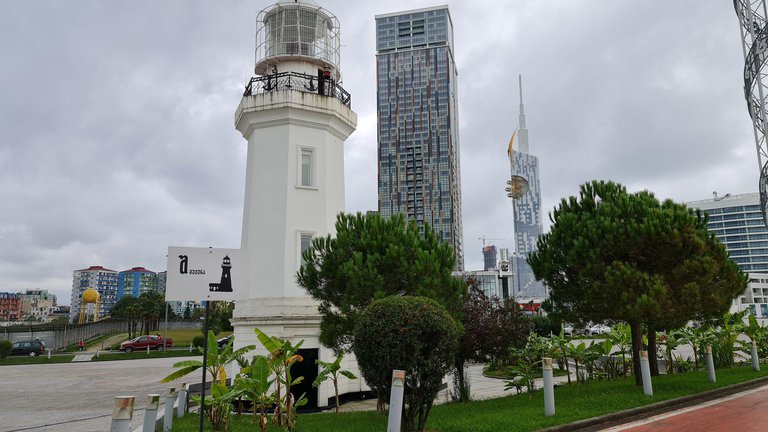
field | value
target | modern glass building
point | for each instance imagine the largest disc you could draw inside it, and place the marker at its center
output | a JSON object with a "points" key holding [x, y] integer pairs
{"points": [[526, 213], [418, 136], [490, 262], [737, 221]]}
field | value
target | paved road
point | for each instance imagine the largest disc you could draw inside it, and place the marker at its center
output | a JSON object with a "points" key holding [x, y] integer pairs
{"points": [[743, 412], [77, 396]]}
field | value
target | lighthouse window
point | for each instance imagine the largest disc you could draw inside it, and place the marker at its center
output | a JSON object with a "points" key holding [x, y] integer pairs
{"points": [[305, 241], [307, 167]]}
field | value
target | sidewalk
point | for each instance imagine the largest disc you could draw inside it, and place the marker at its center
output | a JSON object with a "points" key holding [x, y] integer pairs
{"points": [[746, 411]]}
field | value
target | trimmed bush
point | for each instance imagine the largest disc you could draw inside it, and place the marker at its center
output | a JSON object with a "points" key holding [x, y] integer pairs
{"points": [[414, 334], [5, 348], [198, 341]]}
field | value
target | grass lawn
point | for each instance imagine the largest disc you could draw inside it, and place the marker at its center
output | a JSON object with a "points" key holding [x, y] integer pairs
{"points": [[110, 356], [515, 413], [21, 360], [182, 338]]}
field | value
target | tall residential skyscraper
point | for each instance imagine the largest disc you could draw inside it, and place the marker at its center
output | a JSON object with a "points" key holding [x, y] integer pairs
{"points": [[526, 210], [418, 134]]}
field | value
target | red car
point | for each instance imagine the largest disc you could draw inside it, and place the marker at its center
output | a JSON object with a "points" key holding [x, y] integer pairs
{"points": [[142, 342]]}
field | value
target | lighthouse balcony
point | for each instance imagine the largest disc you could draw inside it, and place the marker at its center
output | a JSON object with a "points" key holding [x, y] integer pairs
{"points": [[295, 81]]}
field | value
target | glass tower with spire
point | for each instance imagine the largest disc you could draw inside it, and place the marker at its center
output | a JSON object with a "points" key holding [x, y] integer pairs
{"points": [[526, 212]]}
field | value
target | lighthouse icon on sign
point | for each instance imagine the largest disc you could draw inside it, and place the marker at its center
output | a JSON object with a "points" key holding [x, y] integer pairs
{"points": [[225, 285]]}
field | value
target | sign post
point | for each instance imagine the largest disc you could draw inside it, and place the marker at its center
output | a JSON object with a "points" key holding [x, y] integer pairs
{"points": [[205, 363], [206, 274]]}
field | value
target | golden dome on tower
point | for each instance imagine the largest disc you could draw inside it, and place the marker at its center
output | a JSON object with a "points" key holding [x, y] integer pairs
{"points": [[90, 295]]}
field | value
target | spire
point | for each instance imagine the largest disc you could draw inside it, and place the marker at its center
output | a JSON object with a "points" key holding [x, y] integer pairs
{"points": [[523, 134]]}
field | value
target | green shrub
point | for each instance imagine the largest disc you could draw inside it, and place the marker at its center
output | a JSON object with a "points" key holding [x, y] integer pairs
{"points": [[198, 341], [413, 334], [5, 348], [545, 325]]}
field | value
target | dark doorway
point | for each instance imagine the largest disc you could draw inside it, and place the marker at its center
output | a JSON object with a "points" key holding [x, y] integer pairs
{"points": [[308, 369]]}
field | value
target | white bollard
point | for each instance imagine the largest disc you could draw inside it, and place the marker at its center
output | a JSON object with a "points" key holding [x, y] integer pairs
{"points": [[150, 413], [549, 387], [182, 409], [97, 352], [190, 347], [122, 413], [645, 371], [710, 364], [755, 359], [396, 401], [147, 349], [170, 397], [49, 353]]}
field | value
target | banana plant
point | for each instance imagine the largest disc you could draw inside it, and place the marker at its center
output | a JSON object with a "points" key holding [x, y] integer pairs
{"points": [[522, 374], [559, 346], [282, 355], [754, 331], [332, 370], [216, 362], [594, 352], [671, 342], [577, 352], [621, 337], [217, 403], [254, 383]]}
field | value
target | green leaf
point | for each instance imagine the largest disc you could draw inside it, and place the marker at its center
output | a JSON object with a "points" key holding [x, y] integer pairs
{"points": [[218, 390], [348, 374], [180, 373], [271, 344], [186, 363]]}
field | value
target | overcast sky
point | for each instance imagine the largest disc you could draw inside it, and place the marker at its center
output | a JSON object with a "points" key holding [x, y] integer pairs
{"points": [[117, 136]]}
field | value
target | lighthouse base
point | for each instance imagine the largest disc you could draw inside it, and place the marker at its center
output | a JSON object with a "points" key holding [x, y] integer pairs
{"points": [[294, 319]]}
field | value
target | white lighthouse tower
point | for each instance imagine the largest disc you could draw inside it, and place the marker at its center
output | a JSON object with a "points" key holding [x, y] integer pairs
{"points": [[295, 116]]}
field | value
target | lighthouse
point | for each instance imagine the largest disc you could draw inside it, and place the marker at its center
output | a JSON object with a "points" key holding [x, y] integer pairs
{"points": [[295, 115]]}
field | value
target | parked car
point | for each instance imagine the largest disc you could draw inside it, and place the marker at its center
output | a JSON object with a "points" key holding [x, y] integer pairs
{"points": [[142, 342], [224, 341], [599, 329], [30, 348], [568, 330]]}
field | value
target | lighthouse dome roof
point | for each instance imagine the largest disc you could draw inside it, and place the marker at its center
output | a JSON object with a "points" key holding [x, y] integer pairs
{"points": [[309, 2]]}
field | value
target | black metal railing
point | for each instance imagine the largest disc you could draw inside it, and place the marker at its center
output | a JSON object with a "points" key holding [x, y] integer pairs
{"points": [[298, 82]]}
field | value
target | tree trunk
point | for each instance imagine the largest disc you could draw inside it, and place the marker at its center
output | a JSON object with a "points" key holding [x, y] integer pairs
{"points": [[576, 361], [695, 356], [567, 368], [623, 363], [460, 382], [637, 346], [336, 391], [653, 358]]}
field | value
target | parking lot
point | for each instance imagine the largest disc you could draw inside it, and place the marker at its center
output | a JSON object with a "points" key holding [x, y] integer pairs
{"points": [[78, 396]]}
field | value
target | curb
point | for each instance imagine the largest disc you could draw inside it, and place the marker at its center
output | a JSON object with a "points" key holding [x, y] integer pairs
{"points": [[633, 414]]}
